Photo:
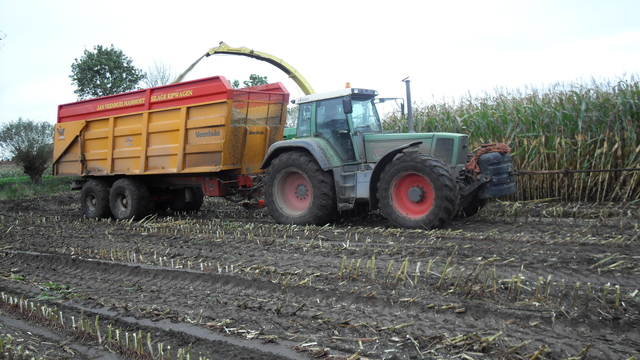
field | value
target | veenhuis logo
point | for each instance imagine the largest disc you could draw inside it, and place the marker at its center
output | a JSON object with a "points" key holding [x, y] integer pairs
{"points": [[207, 133]]}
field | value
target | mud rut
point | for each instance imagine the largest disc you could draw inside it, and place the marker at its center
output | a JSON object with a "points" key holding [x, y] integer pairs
{"points": [[532, 281]]}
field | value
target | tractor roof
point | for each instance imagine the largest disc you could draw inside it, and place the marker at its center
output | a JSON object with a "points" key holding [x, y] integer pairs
{"points": [[358, 93]]}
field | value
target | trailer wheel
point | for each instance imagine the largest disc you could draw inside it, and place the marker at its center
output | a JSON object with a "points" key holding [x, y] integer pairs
{"points": [[298, 191], [129, 198], [179, 201], [417, 191], [94, 199]]}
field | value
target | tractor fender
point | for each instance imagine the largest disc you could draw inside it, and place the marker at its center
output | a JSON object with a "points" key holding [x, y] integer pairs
{"points": [[385, 160], [321, 151]]}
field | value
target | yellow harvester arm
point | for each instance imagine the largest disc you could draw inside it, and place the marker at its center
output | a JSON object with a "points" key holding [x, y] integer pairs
{"points": [[279, 63]]}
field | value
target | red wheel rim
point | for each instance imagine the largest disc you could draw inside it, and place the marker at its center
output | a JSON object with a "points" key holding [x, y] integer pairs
{"points": [[293, 193], [412, 195]]}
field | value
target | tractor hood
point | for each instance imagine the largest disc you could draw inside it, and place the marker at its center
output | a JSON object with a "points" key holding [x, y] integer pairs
{"points": [[451, 148]]}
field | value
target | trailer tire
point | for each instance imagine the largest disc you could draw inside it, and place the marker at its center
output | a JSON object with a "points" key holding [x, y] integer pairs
{"points": [[298, 191], [94, 199], [129, 199], [417, 191], [179, 201]]}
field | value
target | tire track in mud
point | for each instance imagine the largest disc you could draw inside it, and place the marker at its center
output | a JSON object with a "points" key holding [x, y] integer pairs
{"points": [[95, 279], [285, 281], [133, 286], [50, 342]]}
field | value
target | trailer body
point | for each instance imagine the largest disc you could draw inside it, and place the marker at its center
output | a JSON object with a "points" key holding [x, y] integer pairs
{"points": [[201, 135], [193, 127]]}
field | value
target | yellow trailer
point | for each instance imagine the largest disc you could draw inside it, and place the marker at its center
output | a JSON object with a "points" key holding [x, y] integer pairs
{"points": [[168, 146]]}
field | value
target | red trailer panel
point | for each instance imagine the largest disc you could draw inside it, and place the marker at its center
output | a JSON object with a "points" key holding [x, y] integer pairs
{"points": [[166, 96]]}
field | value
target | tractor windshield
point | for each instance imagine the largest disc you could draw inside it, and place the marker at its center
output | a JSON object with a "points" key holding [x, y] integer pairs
{"points": [[365, 116]]}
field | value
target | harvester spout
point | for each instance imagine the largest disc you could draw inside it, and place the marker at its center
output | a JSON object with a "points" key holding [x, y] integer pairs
{"points": [[223, 48]]}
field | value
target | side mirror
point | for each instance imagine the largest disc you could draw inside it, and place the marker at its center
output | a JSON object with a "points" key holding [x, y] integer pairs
{"points": [[346, 105]]}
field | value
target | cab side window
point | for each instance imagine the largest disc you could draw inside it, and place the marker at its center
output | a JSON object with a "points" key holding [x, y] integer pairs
{"points": [[330, 117], [304, 120]]}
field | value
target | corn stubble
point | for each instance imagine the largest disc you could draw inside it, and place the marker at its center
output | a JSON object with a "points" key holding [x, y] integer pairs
{"points": [[84, 329], [390, 267]]}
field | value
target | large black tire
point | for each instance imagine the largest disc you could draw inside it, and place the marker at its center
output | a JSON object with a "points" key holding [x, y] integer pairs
{"points": [[179, 203], [129, 199], [417, 191], [94, 199], [298, 191]]}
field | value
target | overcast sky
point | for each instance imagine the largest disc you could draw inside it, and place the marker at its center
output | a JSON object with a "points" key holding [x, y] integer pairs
{"points": [[447, 48]]}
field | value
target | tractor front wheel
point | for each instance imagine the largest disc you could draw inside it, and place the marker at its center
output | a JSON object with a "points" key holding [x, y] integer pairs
{"points": [[417, 191], [298, 191]]}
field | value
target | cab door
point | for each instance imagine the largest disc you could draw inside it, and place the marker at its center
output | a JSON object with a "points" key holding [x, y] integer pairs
{"points": [[364, 119], [332, 124]]}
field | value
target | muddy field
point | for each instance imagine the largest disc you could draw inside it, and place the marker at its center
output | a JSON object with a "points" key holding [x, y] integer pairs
{"points": [[538, 280]]}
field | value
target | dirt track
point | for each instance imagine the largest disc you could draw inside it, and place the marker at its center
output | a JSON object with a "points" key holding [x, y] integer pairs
{"points": [[235, 285]]}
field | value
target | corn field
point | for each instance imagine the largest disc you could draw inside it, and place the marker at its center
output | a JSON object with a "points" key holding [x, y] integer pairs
{"points": [[580, 127]]}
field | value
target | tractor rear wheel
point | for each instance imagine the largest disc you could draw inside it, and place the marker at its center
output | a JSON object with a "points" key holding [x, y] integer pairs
{"points": [[129, 198], [417, 191], [94, 199], [298, 191]]}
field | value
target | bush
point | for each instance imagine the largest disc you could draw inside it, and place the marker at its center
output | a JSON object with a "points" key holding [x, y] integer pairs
{"points": [[30, 144]]}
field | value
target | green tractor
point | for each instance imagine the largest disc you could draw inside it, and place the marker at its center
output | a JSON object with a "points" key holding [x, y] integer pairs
{"points": [[338, 159]]}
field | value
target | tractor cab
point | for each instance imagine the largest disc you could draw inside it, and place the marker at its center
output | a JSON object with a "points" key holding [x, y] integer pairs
{"points": [[338, 158], [341, 118]]}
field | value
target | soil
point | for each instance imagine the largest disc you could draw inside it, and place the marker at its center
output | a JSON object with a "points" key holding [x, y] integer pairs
{"points": [[535, 280]]}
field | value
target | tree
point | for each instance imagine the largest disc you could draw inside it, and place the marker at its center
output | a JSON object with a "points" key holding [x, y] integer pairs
{"points": [[254, 80], [159, 74], [30, 144], [292, 116], [106, 71]]}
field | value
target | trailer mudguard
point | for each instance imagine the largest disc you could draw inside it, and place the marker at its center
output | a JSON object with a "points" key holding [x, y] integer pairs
{"points": [[320, 149]]}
